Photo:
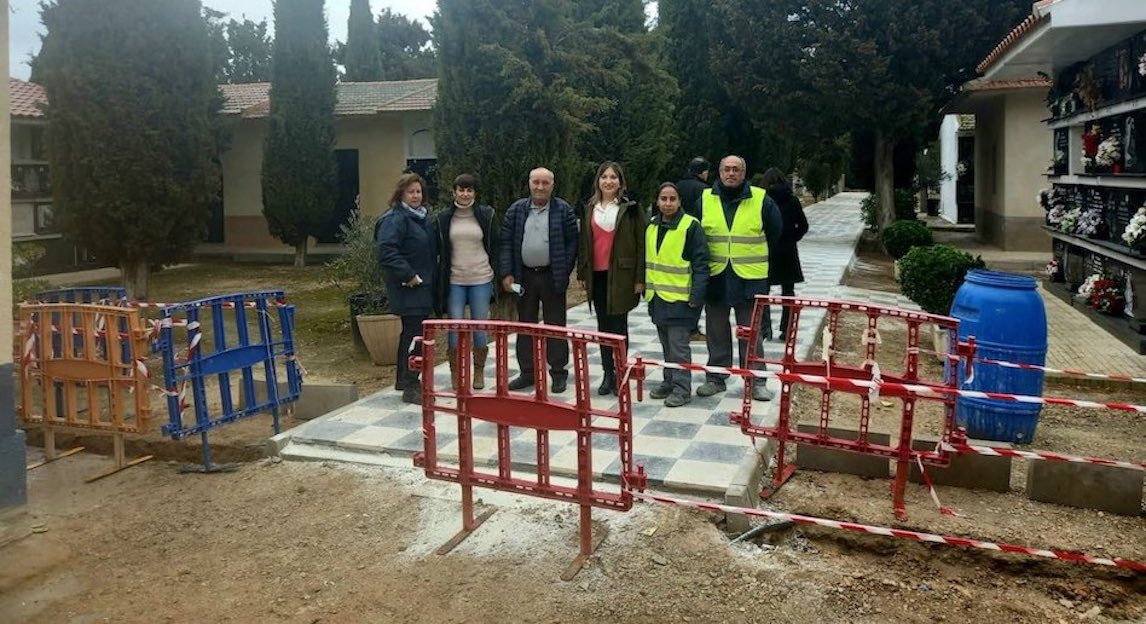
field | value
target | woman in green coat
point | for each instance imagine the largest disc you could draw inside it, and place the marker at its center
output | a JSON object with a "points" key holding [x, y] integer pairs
{"points": [[611, 259]]}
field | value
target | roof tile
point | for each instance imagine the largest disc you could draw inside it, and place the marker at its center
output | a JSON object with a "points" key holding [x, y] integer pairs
{"points": [[26, 98], [354, 98]]}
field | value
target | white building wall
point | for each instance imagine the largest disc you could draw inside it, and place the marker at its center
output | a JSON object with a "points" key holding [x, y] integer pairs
{"points": [[948, 160]]}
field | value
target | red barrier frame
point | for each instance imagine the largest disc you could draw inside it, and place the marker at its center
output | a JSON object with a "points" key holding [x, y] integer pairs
{"points": [[536, 411], [901, 448]]}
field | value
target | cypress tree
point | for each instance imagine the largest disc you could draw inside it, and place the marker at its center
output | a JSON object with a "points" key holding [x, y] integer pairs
{"points": [[131, 128], [298, 157], [362, 58]]}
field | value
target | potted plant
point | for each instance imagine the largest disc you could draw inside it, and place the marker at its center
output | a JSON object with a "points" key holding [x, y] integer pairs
{"points": [[357, 274]]}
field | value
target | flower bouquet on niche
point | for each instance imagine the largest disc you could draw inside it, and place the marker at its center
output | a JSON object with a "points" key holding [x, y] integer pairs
{"points": [[1106, 296], [1054, 270], [1069, 222], [1109, 154], [1135, 233], [1091, 223]]}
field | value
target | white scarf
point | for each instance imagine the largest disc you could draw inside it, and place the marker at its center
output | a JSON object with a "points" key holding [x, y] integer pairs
{"points": [[605, 215]]}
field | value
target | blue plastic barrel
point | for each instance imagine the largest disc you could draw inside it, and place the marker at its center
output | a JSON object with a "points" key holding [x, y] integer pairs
{"points": [[1005, 314]]}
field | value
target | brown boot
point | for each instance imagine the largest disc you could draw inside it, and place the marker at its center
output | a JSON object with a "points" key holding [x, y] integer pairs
{"points": [[480, 354], [453, 355]]}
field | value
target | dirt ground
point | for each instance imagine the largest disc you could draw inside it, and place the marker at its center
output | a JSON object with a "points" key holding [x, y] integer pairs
{"points": [[297, 542], [309, 542]]}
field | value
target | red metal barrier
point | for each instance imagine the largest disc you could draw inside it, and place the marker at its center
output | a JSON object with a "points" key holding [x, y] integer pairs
{"points": [[827, 366], [535, 410]]}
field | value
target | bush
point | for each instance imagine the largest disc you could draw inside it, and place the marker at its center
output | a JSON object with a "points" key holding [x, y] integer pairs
{"points": [[905, 205], [356, 271], [930, 276], [869, 213], [904, 208], [899, 237]]}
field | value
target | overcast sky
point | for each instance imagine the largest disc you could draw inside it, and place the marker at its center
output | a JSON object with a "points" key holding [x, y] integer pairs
{"points": [[25, 28]]}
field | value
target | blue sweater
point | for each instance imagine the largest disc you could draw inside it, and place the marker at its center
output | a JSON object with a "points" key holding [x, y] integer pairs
{"points": [[562, 241]]}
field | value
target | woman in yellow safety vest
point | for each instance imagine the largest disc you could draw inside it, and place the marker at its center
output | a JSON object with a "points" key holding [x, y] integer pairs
{"points": [[676, 276]]}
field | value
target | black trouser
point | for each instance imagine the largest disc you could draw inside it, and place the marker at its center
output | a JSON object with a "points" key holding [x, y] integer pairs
{"points": [[720, 336], [787, 289], [541, 293], [611, 323], [677, 349], [411, 327]]}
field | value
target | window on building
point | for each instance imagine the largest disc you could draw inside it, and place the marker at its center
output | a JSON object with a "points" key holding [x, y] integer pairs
{"points": [[45, 222], [346, 195]]}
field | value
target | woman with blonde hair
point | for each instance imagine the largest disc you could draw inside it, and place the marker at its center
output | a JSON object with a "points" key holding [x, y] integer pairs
{"points": [[611, 259], [408, 254]]}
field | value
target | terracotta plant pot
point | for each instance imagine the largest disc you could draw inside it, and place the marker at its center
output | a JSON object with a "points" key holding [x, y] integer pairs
{"points": [[381, 332]]}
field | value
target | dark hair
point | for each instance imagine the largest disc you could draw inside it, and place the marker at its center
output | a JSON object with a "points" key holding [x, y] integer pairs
{"points": [[774, 178], [466, 181], [665, 185], [406, 181], [605, 166], [697, 166]]}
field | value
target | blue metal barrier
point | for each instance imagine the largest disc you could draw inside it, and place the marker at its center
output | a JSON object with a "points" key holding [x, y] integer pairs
{"points": [[227, 346], [109, 295]]}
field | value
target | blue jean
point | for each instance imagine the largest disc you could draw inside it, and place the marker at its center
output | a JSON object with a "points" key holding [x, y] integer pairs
{"points": [[477, 296]]}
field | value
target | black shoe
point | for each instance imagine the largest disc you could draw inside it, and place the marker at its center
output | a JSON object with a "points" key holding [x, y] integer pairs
{"points": [[412, 394], [399, 384], [662, 391], [559, 384], [522, 382], [608, 385]]}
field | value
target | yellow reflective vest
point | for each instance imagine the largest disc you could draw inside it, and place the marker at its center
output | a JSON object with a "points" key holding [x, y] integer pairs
{"points": [[744, 246], [667, 273]]}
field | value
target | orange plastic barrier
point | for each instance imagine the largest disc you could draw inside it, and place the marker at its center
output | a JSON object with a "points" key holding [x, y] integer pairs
{"points": [[83, 366]]}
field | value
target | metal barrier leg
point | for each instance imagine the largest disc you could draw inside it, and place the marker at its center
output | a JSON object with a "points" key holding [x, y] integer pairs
{"points": [[589, 544], [275, 420], [50, 449], [120, 460], [469, 522], [207, 465]]}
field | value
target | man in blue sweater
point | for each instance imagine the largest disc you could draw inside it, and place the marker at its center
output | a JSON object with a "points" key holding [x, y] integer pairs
{"points": [[538, 252]]}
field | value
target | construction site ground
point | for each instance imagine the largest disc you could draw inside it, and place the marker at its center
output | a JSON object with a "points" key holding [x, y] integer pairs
{"points": [[329, 542]]}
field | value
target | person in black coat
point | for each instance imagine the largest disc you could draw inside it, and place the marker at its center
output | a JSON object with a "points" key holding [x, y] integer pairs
{"points": [[690, 187], [784, 264], [408, 255]]}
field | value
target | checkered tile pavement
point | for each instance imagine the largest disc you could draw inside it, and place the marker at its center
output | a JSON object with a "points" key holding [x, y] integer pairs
{"points": [[691, 448]]}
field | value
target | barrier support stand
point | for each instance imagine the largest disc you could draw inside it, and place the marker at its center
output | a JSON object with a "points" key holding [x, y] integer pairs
{"points": [[208, 466], [589, 543], [120, 460], [50, 449], [469, 523]]}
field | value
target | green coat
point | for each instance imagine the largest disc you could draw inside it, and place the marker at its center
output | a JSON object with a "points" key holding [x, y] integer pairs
{"points": [[626, 261]]}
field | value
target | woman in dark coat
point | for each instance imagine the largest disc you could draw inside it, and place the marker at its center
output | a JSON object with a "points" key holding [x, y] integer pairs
{"points": [[784, 259], [408, 254], [611, 259]]}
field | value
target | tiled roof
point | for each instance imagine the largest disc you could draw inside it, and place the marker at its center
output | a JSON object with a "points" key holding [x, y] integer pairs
{"points": [[1015, 36], [26, 98], [354, 98], [979, 84]]}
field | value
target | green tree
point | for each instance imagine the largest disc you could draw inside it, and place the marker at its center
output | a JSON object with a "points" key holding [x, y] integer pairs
{"points": [[404, 46], [361, 56], [217, 33], [132, 128], [250, 51], [822, 68], [298, 158], [511, 93], [627, 73], [708, 122]]}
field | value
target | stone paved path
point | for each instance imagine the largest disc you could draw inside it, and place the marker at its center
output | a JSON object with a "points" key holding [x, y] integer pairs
{"points": [[691, 449]]}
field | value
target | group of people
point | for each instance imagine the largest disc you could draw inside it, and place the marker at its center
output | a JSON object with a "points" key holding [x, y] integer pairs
{"points": [[710, 247]]}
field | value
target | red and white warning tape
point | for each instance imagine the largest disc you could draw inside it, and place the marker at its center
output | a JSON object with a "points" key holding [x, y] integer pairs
{"points": [[1045, 455], [1046, 369], [919, 390], [901, 533]]}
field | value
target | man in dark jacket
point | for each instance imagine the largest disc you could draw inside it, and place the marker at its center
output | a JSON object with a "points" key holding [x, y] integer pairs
{"points": [[694, 183], [739, 270], [538, 252]]}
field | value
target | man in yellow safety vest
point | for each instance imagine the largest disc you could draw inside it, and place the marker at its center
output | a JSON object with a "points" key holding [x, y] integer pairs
{"points": [[740, 223]]}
